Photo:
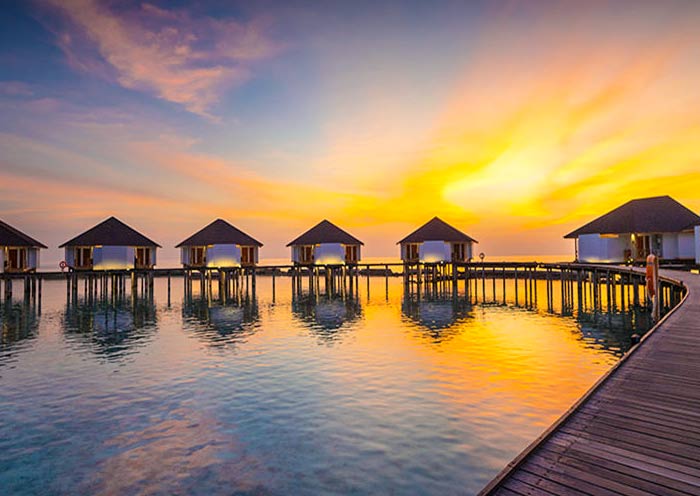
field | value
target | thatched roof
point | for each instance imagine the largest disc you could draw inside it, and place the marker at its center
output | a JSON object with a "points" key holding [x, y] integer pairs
{"points": [[659, 214], [219, 232], [111, 232], [325, 232], [437, 229], [9, 236]]}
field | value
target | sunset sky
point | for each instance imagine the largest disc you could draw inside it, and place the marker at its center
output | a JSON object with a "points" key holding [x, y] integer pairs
{"points": [[514, 121]]}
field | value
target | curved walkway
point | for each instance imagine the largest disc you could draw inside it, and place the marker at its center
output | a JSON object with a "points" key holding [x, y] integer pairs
{"points": [[636, 433]]}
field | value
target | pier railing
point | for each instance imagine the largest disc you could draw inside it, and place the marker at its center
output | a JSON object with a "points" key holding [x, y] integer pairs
{"points": [[560, 288]]}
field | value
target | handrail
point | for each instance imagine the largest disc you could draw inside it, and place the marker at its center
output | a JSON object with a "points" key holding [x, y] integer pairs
{"points": [[547, 434]]}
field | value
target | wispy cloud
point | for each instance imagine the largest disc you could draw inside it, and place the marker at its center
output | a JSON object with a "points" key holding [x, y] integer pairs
{"points": [[185, 59], [15, 89]]}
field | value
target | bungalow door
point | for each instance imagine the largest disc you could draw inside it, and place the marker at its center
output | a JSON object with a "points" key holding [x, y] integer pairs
{"points": [[306, 254], [643, 246], [412, 252], [351, 254], [83, 257], [198, 256], [17, 259], [247, 255], [458, 252], [142, 258]]}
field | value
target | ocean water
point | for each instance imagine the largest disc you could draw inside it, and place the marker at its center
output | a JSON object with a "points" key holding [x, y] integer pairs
{"points": [[276, 393]]}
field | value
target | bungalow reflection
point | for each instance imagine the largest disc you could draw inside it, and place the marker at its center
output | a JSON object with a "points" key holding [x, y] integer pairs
{"points": [[111, 329], [438, 318], [221, 322], [327, 316], [18, 323]]}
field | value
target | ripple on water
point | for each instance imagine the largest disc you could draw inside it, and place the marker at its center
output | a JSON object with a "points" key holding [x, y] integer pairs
{"points": [[291, 394]]}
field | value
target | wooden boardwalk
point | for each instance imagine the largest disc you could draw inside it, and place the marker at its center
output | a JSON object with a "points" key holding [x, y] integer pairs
{"points": [[637, 432]]}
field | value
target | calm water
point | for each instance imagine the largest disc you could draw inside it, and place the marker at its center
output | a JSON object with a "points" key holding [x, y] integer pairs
{"points": [[376, 394]]}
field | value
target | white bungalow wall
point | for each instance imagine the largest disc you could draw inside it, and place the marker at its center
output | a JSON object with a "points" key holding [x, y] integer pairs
{"points": [[69, 255], [434, 251], [686, 246], [594, 249], [678, 246], [669, 246], [697, 244], [32, 258], [329, 254], [114, 257], [223, 256], [185, 255]]}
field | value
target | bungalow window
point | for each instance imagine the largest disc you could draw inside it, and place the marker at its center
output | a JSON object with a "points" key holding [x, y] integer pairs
{"points": [[143, 258], [306, 254], [412, 252], [83, 257], [197, 255], [16, 258], [247, 255], [351, 255], [458, 252], [658, 245]]}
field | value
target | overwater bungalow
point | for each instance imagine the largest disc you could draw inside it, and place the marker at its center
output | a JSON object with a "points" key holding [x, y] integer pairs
{"points": [[110, 245], [219, 245], [326, 244], [436, 242], [658, 225], [18, 252]]}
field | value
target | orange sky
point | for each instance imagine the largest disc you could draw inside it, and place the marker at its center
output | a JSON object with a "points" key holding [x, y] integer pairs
{"points": [[516, 122]]}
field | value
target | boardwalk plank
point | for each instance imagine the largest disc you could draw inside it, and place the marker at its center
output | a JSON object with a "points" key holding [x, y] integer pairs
{"points": [[525, 489], [578, 479], [561, 439], [644, 476], [638, 433]]}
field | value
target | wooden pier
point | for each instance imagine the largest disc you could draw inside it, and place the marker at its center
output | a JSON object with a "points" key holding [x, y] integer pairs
{"points": [[567, 287], [636, 432]]}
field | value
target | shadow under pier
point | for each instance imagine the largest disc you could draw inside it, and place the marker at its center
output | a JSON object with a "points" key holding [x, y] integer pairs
{"points": [[114, 286], [564, 289]]}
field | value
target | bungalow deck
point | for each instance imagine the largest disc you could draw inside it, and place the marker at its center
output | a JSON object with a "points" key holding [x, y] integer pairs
{"points": [[637, 431]]}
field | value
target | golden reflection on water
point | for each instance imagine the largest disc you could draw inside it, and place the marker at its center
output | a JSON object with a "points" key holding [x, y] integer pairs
{"points": [[296, 392]]}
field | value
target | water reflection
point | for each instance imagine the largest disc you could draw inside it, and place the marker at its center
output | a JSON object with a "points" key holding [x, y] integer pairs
{"points": [[437, 318], [110, 329], [327, 316], [221, 323], [168, 464], [613, 330], [18, 323], [428, 393]]}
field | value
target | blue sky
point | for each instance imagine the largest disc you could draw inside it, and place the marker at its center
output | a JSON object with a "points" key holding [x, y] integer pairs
{"points": [[515, 121]]}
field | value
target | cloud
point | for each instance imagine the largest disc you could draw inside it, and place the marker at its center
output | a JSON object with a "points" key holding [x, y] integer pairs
{"points": [[180, 58], [15, 89], [77, 171]]}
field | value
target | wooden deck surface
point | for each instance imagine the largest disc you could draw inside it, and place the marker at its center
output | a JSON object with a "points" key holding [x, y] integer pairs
{"points": [[637, 433]]}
